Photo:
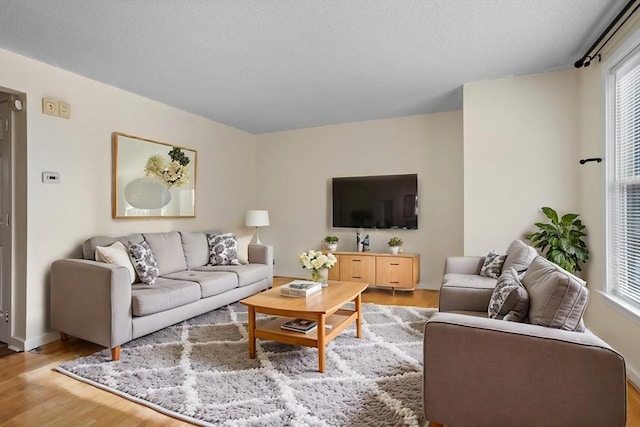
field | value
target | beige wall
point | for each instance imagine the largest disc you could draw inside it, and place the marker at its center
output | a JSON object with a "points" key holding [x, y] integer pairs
{"points": [[520, 154], [60, 217], [620, 330], [295, 170]]}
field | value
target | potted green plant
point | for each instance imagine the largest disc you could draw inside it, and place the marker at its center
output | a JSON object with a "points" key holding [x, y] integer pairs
{"points": [[394, 244], [561, 240], [331, 242]]}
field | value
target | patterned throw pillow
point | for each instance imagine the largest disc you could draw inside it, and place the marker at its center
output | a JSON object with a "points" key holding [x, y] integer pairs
{"points": [[144, 262], [492, 265], [510, 300], [223, 249]]}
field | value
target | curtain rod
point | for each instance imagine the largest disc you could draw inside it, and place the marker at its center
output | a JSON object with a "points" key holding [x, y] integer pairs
{"points": [[585, 61]]}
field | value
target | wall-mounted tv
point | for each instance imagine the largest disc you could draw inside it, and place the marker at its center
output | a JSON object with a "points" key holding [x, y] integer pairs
{"points": [[381, 201]]}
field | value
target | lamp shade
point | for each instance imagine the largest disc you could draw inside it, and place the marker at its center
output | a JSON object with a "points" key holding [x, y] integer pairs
{"points": [[257, 218]]}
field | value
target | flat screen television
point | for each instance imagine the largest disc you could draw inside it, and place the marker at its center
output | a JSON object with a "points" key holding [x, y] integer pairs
{"points": [[381, 201]]}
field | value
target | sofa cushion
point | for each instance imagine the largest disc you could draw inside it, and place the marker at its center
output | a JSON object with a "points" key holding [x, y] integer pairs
{"points": [[557, 298], [163, 295], [510, 300], [492, 265], [211, 282], [144, 262], [196, 249], [519, 256], [116, 254], [223, 249], [247, 274], [167, 248], [469, 281]]}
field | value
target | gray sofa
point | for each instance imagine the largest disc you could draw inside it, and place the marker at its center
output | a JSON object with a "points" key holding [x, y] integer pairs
{"points": [[96, 301], [548, 370]]}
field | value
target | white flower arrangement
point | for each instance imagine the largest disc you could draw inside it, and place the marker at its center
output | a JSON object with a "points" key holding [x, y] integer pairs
{"points": [[174, 173], [316, 260]]}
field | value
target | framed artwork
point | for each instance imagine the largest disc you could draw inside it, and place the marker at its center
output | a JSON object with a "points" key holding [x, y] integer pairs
{"points": [[152, 179]]}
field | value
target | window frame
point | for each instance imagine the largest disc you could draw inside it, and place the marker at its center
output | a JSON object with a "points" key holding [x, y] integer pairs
{"points": [[629, 51]]}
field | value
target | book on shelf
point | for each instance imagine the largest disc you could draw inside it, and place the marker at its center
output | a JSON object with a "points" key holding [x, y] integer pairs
{"points": [[300, 288], [300, 325]]}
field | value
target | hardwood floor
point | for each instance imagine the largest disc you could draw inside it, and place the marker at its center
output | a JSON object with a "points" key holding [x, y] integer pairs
{"points": [[31, 394]]}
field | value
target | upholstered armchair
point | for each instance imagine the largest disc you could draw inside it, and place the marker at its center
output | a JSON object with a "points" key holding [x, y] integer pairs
{"points": [[546, 371]]}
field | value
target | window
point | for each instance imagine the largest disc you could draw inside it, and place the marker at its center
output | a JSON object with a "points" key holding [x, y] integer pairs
{"points": [[623, 192]]}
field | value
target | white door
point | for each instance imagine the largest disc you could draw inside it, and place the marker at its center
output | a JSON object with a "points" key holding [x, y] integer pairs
{"points": [[5, 218]]}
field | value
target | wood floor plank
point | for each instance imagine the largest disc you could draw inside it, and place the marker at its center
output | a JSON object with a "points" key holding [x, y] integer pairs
{"points": [[32, 394]]}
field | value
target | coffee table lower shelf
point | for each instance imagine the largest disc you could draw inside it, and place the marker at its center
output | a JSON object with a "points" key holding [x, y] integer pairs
{"points": [[326, 307], [338, 321]]}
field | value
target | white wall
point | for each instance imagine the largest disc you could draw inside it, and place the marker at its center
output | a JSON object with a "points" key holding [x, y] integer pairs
{"points": [[520, 154], [294, 177], [60, 217], [609, 323]]}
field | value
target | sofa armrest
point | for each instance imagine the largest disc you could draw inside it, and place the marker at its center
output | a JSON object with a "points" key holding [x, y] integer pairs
{"points": [[262, 254], [480, 371], [463, 265], [91, 300]]}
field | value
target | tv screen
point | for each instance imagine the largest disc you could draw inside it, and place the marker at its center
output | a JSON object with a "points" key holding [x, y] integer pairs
{"points": [[382, 201]]}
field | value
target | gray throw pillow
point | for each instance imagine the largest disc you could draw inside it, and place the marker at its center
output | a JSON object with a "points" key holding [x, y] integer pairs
{"points": [[492, 266], [510, 300], [144, 262], [558, 298], [223, 249]]}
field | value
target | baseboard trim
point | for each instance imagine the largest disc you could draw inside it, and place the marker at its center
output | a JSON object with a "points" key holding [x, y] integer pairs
{"points": [[633, 375], [41, 340]]}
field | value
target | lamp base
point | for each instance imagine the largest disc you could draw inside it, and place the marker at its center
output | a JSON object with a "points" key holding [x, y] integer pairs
{"points": [[258, 242]]}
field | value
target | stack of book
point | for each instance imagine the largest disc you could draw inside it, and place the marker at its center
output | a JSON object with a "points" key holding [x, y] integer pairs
{"points": [[300, 325], [300, 288]]}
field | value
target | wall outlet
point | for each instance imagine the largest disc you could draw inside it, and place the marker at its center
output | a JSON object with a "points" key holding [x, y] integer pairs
{"points": [[64, 110], [50, 106]]}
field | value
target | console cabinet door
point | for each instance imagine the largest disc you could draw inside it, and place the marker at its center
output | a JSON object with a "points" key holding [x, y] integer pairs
{"points": [[395, 272], [334, 272], [355, 268]]}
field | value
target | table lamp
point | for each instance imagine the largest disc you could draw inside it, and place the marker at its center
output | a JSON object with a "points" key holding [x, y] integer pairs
{"points": [[257, 219]]}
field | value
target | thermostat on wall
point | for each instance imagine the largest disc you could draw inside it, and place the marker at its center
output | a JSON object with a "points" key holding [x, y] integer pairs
{"points": [[51, 177]]}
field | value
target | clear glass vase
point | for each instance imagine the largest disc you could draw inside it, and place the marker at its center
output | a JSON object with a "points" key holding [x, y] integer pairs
{"points": [[320, 276]]}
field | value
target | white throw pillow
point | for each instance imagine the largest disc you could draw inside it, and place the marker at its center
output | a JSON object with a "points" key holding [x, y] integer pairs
{"points": [[243, 247], [116, 254]]}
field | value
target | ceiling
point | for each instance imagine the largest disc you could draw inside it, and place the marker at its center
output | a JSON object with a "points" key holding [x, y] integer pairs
{"points": [[265, 66]]}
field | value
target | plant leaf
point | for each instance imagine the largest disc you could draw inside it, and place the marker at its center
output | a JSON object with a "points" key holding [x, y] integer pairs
{"points": [[551, 214]]}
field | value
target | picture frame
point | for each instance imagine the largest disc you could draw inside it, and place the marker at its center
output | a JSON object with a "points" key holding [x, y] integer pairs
{"points": [[152, 179]]}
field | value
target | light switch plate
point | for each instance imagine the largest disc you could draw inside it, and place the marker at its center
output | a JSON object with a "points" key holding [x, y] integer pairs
{"points": [[64, 110], [50, 106], [51, 177]]}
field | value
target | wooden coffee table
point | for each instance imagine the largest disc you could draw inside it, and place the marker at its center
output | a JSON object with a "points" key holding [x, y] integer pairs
{"points": [[325, 307]]}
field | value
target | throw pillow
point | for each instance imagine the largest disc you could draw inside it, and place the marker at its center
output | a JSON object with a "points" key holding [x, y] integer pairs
{"points": [[116, 254], [144, 262], [558, 298], [510, 300], [243, 247], [223, 249], [492, 266]]}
